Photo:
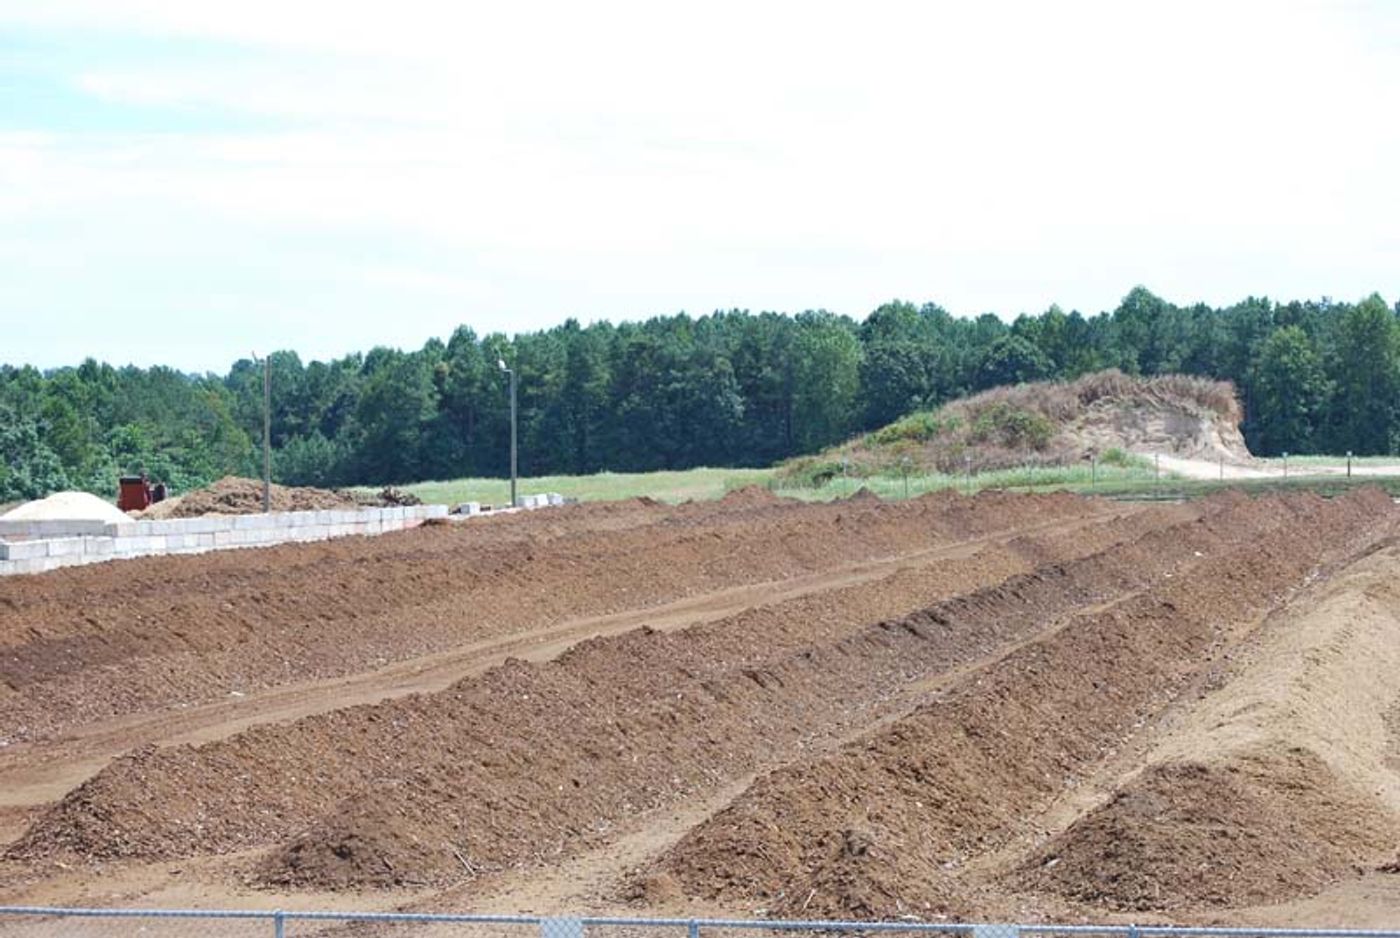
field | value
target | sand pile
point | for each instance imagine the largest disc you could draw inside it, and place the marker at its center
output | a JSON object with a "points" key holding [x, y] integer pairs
{"points": [[67, 506]]}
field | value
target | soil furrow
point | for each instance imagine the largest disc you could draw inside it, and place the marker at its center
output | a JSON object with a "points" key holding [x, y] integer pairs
{"points": [[884, 826]]}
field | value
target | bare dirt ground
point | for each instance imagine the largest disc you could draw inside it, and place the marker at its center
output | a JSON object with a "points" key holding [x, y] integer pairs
{"points": [[994, 707], [1248, 468]]}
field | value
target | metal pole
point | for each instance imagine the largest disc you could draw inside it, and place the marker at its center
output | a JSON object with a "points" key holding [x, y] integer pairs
{"points": [[513, 466], [1348, 464], [279, 924], [267, 435], [1093, 471], [1156, 467], [1285, 465]]}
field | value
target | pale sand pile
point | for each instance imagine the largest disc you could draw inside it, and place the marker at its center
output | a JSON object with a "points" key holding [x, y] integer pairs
{"points": [[67, 506]]}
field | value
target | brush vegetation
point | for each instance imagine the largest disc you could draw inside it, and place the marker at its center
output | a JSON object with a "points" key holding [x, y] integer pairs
{"points": [[1044, 424]]}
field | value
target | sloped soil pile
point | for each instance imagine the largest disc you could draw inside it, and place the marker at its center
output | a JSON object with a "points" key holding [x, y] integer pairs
{"points": [[963, 775], [750, 496], [1255, 830], [232, 495], [527, 758], [92, 642]]}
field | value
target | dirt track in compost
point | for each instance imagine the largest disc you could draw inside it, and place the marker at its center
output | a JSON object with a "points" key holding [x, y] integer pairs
{"points": [[989, 707]]}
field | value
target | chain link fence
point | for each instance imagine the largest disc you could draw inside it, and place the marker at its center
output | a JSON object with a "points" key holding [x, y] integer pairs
{"points": [[32, 922]]}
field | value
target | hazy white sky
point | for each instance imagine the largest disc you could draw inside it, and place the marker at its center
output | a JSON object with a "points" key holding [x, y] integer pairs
{"points": [[182, 182]]}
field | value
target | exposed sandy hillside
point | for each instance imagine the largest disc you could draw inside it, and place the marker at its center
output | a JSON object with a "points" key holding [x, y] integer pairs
{"points": [[1050, 423]]}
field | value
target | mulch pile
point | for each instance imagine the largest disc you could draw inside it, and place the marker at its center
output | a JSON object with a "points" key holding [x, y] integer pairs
{"points": [[233, 495], [529, 763]]}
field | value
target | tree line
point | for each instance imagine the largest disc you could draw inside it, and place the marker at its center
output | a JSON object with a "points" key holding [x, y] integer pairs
{"points": [[733, 388]]}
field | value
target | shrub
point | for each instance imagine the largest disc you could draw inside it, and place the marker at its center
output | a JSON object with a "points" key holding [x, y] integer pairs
{"points": [[1012, 427]]}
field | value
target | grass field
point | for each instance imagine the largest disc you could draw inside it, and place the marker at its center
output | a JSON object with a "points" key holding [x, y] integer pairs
{"points": [[714, 483], [1117, 481], [604, 486]]}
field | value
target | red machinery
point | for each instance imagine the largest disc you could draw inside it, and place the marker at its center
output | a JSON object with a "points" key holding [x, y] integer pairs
{"points": [[136, 493]]}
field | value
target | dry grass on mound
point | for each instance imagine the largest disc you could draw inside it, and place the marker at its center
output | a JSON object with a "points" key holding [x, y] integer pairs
{"points": [[1105, 414]]}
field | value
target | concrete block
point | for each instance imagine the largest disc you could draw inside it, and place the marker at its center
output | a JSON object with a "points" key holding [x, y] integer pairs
{"points": [[468, 508], [555, 499], [435, 511], [29, 565], [51, 529], [65, 546], [202, 525], [252, 522], [23, 550], [343, 516], [147, 528], [204, 541], [119, 529], [224, 538], [99, 546]]}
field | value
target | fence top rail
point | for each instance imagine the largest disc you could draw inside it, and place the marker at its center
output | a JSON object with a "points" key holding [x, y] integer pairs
{"points": [[819, 925]]}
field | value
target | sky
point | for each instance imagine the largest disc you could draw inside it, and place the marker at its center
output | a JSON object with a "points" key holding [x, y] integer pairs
{"points": [[184, 182]]}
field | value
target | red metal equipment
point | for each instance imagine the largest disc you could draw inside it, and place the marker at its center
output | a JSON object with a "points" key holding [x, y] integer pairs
{"points": [[136, 493]]}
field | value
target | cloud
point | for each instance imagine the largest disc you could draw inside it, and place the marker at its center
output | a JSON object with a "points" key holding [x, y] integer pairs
{"points": [[645, 157]]}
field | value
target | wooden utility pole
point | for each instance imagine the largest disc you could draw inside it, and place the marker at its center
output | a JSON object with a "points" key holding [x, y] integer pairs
{"points": [[267, 431]]}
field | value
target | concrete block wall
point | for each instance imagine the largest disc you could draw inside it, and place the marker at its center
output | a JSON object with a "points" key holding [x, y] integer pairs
{"points": [[48, 545]]}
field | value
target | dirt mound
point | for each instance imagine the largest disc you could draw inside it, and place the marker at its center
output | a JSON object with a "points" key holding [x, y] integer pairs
{"points": [[966, 773], [750, 496], [531, 762], [1048, 423], [96, 642], [1189, 835], [990, 708], [232, 495], [1277, 783], [528, 759]]}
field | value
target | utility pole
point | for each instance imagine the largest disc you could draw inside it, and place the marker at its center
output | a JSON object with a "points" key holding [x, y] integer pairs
{"points": [[511, 373], [267, 431]]}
